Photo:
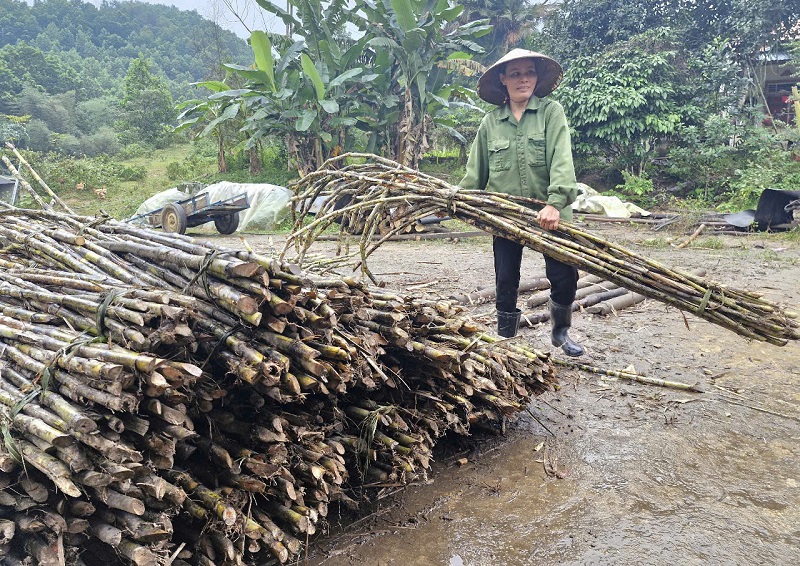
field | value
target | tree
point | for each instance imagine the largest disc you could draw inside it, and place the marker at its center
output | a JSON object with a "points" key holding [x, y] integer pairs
{"points": [[412, 41], [213, 114], [146, 103], [12, 129], [583, 27], [512, 22], [17, 23], [331, 86], [623, 100], [298, 99], [95, 113]]}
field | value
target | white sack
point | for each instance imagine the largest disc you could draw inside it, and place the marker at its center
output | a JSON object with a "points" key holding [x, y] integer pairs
{"points": [[590, 201]]}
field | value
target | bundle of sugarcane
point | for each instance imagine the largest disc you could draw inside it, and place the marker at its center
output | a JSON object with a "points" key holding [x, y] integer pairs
{"points": [[146, 377], [379, 185]]}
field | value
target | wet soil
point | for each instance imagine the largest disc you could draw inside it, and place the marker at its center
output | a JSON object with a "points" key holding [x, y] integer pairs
{"points": [[604, 471]]}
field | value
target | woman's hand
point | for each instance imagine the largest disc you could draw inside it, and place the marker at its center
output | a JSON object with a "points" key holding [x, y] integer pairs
{"points": [[549, 217]]}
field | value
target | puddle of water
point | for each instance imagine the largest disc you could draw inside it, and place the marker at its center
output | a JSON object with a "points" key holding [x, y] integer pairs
{"points": [[644, 482]]}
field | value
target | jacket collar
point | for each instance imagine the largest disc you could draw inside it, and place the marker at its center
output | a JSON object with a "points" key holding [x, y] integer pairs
{"points": [[533, 104]]}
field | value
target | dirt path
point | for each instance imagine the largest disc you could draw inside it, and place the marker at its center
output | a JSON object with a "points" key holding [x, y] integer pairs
{"points": [[605, 471]]}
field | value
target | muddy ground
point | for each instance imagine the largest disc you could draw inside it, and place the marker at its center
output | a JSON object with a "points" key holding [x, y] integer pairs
{"points": [[605, 471]]}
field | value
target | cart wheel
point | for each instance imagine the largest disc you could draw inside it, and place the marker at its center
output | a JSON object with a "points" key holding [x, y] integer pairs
{"points": [[173, 218], [227, 224]]}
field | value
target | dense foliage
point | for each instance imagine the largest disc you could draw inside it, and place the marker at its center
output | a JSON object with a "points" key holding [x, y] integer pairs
{"points": [[672, 93], [64, 63], [666, 98], [390, 84]]}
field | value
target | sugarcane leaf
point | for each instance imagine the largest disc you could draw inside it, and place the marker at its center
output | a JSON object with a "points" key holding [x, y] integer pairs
{"points": [[10, 443]]}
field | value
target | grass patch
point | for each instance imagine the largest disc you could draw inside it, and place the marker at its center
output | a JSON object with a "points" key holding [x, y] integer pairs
{"points": [[656, 243], [710, 243], [792, 235]]}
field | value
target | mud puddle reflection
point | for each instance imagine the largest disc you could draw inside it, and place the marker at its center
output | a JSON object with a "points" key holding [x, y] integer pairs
{"points": [[602, 491]]}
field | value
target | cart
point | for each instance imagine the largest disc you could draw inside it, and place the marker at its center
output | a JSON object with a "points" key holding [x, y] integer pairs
{"points": [[196, 210]]}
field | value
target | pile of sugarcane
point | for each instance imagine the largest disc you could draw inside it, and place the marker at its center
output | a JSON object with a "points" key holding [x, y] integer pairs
{"points": [[373, 185], [166, 401]]}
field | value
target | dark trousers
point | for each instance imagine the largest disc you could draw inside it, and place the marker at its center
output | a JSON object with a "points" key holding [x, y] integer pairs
{"points": [[507, 261]]}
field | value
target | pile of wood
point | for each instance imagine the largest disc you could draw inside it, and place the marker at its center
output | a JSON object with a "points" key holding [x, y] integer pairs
{"points": [[165, 401], [374, 184]]}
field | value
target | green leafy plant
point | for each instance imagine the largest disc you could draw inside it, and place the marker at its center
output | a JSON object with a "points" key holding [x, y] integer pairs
{"points": [[622, 101], [638, 188]]}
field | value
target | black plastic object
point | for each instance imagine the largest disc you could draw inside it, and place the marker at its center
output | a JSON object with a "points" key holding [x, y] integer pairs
{"points": [[772, 213]]}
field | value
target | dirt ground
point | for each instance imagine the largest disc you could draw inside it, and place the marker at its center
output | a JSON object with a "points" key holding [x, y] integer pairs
{"points": [[605, 471]]}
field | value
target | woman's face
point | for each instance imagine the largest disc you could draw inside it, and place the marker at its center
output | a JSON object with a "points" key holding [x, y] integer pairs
{"points": [[519, 79]]}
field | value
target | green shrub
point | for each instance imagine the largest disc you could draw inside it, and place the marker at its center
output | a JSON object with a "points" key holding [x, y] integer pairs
{"points": [[175, 171], [40, 138], [636, 188], [132, 173], [67, 144], [135, 149], [102, 142], [728, 163]]}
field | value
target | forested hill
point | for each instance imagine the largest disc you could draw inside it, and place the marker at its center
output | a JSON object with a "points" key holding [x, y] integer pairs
{"points": [[69, 45]]}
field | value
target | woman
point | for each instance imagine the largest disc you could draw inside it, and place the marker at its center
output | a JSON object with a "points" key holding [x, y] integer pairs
{"points": [[523, 148]]}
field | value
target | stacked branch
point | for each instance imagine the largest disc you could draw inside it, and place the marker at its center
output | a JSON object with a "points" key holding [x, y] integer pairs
{"points": [[164, 399], [380, 184]]}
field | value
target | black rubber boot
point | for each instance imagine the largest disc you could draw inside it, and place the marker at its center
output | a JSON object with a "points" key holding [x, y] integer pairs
{"points": [[508, 323], [561, 320]]}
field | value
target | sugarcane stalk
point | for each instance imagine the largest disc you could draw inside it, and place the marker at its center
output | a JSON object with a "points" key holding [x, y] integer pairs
{"points": [[53, 468], [630, 376], [39, 180], [212, 500], [17, 175], [137, 554]]}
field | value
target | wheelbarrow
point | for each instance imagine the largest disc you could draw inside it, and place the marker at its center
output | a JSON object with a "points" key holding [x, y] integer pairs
{"points": [[175, 217]]}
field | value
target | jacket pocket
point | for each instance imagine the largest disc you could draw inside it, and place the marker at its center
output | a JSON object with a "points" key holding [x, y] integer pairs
{"points": [[536, 151], [499, 155]]}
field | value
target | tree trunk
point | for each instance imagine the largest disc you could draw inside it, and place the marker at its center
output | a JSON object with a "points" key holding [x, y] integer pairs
{"points": [[223, 166], [255, 162]]}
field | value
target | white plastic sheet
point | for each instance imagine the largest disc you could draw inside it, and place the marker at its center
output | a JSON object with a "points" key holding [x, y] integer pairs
{"points": [[590, 201], [268, 203]]}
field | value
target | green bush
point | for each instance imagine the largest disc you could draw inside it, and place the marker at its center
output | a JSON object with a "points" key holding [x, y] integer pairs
{"points": [[638, 189], [175, 171], [132, 173], [67, 144], [93, 172], [102, 142], [729, 163], [135, 149], [40, 138]]}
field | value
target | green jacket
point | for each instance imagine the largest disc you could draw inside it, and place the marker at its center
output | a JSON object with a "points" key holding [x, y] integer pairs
{"points": [[530, 158]]}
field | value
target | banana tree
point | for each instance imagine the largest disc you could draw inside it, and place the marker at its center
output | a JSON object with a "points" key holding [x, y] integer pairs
{"points": [[290, 97], [213, 115], [411, 41]]}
